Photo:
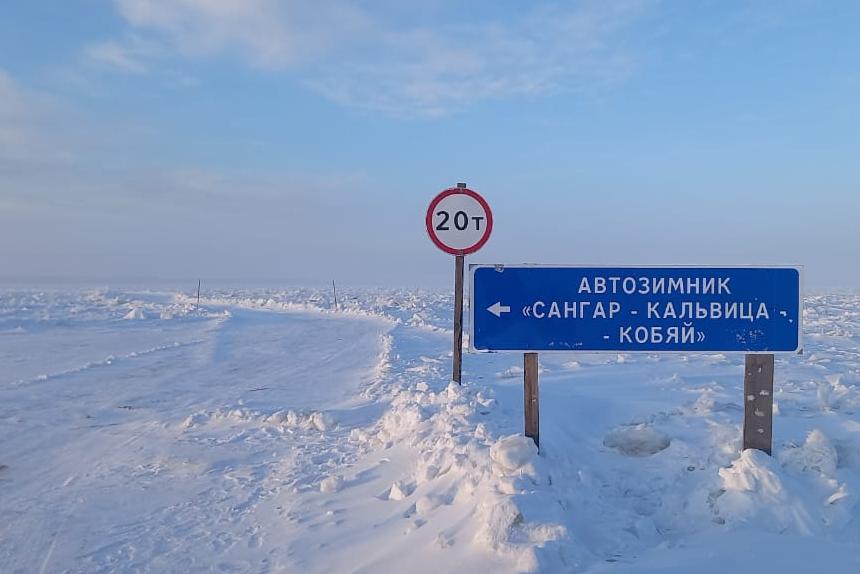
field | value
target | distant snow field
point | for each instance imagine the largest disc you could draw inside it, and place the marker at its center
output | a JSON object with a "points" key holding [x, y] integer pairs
{"points": [[263, 432]]}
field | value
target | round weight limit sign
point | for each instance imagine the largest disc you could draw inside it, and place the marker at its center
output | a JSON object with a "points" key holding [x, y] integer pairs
{"points": [[459, 221]]}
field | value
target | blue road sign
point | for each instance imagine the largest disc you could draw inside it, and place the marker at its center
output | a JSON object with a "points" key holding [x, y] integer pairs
{"points": [[651, 309]]}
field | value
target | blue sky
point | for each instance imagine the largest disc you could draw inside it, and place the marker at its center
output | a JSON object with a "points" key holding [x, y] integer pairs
{"points": [[255, 140]]}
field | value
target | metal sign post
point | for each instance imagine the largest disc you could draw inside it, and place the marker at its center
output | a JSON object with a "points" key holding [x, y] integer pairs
{"points": [[758, 402], [459, 263], [459, 222]]}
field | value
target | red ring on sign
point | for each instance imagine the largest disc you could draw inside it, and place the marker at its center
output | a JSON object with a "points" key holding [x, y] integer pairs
{"points": [[428, 220]]}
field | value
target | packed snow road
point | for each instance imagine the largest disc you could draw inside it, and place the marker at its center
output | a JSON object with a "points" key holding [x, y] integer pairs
{"points": [[147, 445]]}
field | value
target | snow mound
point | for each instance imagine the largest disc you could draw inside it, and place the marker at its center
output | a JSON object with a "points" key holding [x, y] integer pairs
{"points": [[834, 395], [817, 455], [319, 421], [710, 402], [504, 530], [498, 519], [752, 472], [322, 421], [755, 492], [331, 484], [510, 373], [636, 440], [399, 491], [462, 470], [135, 314], [513, 452]]}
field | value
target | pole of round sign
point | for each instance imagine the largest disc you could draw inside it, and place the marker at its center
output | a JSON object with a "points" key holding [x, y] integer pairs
{"points": [[459, 264], [459, 222], [457, 366]]}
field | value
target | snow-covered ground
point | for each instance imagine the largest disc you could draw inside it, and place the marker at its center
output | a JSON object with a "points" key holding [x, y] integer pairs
{"points": [[265, 433]]}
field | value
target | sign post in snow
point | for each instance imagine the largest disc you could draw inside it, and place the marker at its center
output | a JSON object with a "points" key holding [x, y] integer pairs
{"points": [[459, 222], [754, 310], [758, 402], [531, 397]]}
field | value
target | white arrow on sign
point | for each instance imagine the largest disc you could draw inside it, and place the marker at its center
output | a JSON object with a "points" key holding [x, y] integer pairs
{"points": [[497, 309]]}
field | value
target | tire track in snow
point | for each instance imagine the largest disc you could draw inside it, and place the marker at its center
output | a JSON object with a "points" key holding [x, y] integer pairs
{"points": [[110, 360]]}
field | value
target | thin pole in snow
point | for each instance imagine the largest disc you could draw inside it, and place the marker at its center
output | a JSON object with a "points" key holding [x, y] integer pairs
{"points": [[458, 318], [459, 264], [334, 291], [531, 401], [198, 296]]}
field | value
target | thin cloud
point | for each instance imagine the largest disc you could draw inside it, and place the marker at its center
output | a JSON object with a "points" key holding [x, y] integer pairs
{"points": [[120, 56], [50, 163], [267, 34], [30, 130], [358, 55]]}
